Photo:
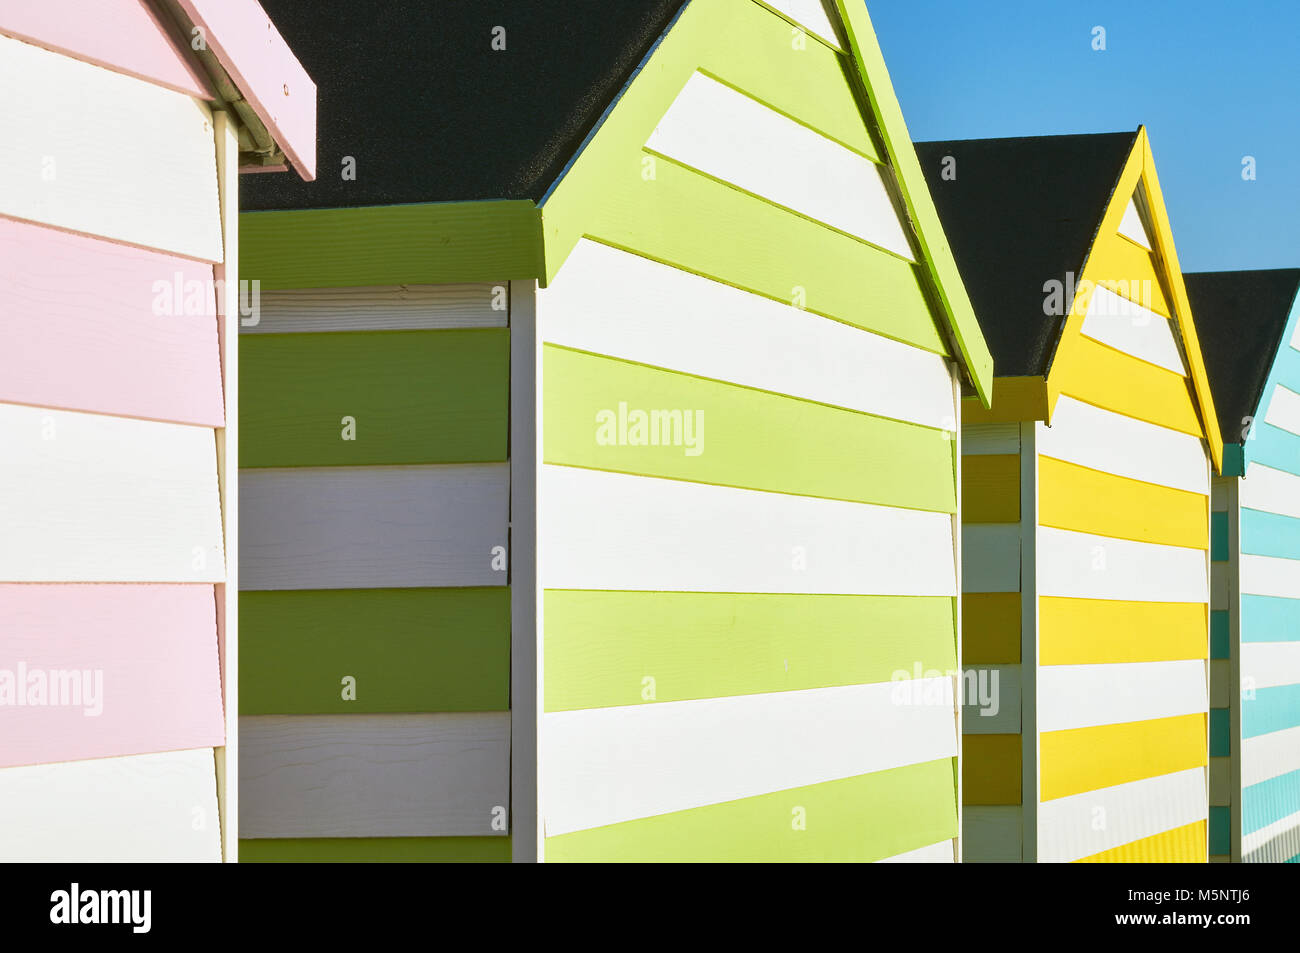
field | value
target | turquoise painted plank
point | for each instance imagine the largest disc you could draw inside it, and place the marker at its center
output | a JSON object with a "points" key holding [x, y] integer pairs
{"points": [[1272, 709], [1268, 534], [1270, 619], [1269, 801], [1219, 537], [1220, 828], [1219, 633], [1220, 733], [1273, 447]]}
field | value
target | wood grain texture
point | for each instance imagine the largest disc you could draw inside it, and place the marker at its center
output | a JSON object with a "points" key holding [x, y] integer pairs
{"points": [[1114, 381], [91, 498], [373, 775], [145, 808], [93, 325], [368, 527], [1271, 490], [1084, 696], [436, 650], [940, 853], [1083, 631], [1087, 566], [381, 308], [1088, 759], [1182, 845], [97, 175], [1127, 326], [414, 397], [977, 439], [123, 670], [375, 850]]}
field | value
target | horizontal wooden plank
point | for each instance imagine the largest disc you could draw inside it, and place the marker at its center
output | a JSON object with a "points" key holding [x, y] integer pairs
{"points": [[811, 16], [601, 647], [990, 557], [374, 775], [1269, 710], [990, 488], [1220, 684], [375, 850], [1270, 490], [609, 765], [610, 302], [865, 818], [1127, 326], [940, 853], [1084, 696], [990, 769], [1269, 618], [739, 140], [1070, 828], [1284, 410], [1270, 663], [1220, 782], [1088, 759], [369, 527], [144, 808], [1182, 845], [1270, 576], [1089, 370], [1268, 808], [120, 670], [1113, 443], [92, 498], [990, 629], [977, 439], [1130, 268], [613, 415], [991, 834], [94, 325], [1268, 534], [382, 308], [1087, 566], [1131, 226], [383, 397], [1276, 844], [1091, 501], [97, 175], [1270, 755], [613, 531], [1087, 631], [991, 699], [436, 650]]}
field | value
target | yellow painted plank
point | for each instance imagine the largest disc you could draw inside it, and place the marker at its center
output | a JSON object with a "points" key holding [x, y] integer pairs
{"points": [[1094, 631], [1086, 759], [1014, 399], [1092, 501], [990, 628], [990, 769], [1100, 375], [990, 488], [1127, 269], [1182, 845]]}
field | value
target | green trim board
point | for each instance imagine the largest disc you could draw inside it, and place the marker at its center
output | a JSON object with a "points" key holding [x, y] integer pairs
{"points": [[409, 650], [376, 850], [428, 396]]}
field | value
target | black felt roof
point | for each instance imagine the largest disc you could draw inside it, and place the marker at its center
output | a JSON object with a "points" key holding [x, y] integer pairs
{"points": [[413, 90], [1239, 318], [1018, 213]]}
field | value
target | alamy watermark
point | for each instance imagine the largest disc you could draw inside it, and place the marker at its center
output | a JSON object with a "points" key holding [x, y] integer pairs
{"points": [[194, 297], [24, 687], [626, 427]]}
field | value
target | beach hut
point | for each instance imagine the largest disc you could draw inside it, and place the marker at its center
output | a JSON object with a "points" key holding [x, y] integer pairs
{"points": [[1249, 323], [1085, 505], [125, 125], [599, 440]]}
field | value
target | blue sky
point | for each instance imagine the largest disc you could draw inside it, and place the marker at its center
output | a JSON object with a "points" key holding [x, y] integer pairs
{"points": [[1212, 82]]}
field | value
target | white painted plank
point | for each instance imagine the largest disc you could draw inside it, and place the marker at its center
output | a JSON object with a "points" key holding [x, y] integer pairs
{"points": [[1256, 839], [1101, 440], [991, 700], [362, 527], [1280, 848], [611, 302], [990, 557], [940, 853], [155, 808], [1270, 490], [726, 134], [1270, 576], [991, 834], [600, 530], [987, 439], [1137, 331], [1131, 226], [1284, 410], [1085, 696], [374, 775], [380, 308], [811, 16], [1085, 824], [94, 498], [1084, 566], [607, 765], [94, 151], [1267, 756], [1269, 664]]}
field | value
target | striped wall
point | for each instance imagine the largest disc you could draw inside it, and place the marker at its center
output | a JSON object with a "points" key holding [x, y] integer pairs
{"points": [[1269, 586], [374, 665], [113, 419]]}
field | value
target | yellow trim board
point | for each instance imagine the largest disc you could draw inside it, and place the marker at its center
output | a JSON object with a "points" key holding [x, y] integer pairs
{"points": [[1087, 759], [1095, 631], [1014, 399], [1182, 845]]}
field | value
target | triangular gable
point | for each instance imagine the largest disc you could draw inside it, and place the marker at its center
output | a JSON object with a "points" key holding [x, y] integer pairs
{"points": [[1132, 225]]}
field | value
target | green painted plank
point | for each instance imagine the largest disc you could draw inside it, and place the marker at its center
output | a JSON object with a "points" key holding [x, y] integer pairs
{"points": [[428, 243], [381, 850], [410, 650], [941, 266], [749, 438], [869, 817], [1219, 632], [601, 647], [416, 397], [1219, 537], [688, 220]]}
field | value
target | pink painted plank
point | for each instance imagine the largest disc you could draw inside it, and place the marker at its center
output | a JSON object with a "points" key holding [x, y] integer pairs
{"points": [[251, 50], [122, 35], [84, 326], [152, 649]]}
